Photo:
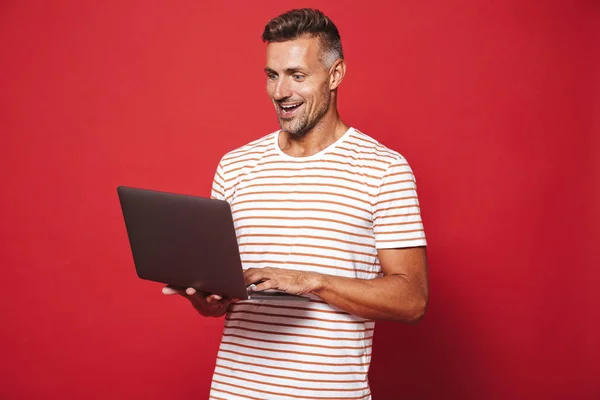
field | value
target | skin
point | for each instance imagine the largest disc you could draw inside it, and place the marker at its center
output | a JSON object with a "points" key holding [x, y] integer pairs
{"points": [[296, 74]]}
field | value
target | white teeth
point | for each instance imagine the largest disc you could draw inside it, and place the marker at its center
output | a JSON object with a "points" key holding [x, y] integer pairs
{"points": [[288, 107]]}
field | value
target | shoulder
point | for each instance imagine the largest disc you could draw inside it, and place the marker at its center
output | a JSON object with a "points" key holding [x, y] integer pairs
{"points": [[371, 149], [252, 150]]}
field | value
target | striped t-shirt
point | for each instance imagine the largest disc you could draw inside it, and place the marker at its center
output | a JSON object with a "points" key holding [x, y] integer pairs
{"points": [[327, 213]]}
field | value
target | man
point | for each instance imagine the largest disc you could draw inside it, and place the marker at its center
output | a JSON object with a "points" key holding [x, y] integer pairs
{"points": [[322, 210]]}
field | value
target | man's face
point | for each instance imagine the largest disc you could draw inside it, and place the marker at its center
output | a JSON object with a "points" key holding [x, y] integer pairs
{"points": [[298, 84]]}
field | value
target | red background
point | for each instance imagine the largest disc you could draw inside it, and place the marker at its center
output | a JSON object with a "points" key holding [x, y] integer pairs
{"points": [[495, 104]]}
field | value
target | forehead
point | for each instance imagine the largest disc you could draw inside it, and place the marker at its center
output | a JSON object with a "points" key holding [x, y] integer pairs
{"points": [[303, 52]]}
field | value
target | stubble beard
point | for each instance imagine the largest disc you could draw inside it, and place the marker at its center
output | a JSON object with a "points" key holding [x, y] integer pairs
{"points": [[299, 126]]}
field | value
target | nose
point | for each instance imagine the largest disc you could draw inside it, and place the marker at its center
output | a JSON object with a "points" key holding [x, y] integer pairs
{"points": [[282, 89]]}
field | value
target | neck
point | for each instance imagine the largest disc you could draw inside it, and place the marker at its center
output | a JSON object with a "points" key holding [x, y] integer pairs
{"points": [[329, 129]]}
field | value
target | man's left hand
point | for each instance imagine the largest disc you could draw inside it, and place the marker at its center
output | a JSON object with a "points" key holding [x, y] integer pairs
{"points": [[285, 280]]}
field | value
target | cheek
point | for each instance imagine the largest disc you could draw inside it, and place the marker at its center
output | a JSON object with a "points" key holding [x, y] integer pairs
{"points": [[308, 93], [270, 88]]}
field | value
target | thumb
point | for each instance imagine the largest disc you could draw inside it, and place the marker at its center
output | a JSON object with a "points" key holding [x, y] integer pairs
{"points": [[213, 298]]}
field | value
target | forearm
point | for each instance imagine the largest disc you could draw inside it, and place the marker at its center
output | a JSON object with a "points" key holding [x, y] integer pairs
{"points": [[389, 297]]}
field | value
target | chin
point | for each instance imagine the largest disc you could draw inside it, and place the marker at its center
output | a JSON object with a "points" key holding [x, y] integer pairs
{"points": [[295, 131]]}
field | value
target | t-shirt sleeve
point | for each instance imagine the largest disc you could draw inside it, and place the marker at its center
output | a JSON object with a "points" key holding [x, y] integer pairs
{"points": [[396, 213], [218, 186]]}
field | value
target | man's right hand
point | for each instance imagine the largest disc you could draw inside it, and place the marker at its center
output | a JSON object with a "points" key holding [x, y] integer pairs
{"points": [[208, 305]]}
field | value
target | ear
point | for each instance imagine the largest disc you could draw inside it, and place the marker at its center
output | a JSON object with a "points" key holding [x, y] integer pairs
{"points": [[336, 74]]}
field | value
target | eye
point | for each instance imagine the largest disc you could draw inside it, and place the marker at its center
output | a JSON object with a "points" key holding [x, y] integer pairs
{"points": [[298, 77], [272, 76]]}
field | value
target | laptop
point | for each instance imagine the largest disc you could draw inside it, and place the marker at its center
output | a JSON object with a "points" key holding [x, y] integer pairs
{"points": [[187, 241]]}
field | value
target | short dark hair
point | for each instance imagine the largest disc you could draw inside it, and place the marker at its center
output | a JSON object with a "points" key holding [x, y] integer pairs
{"points": [[306, 22]]}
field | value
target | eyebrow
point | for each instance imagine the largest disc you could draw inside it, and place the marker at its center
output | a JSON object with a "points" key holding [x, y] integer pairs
{"points": [[289, 70]]}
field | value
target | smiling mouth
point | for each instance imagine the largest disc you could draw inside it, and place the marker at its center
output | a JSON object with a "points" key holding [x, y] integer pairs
{"points": [[287, 110]]}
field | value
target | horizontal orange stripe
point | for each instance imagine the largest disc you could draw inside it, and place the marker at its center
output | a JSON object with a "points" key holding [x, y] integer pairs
{"points": [[271, 383], [316, 210], [320, 346], [307, 237], [242, 158], [301, 184], [308, 193], [320, 169], [378, 225], [304, 335], [293, 378], [344, 163], [277, 367], [261, 141], [398, 173], [369, 143], [310, 246], [346, 156], [365, 138], [257, 145], [396, 208], [288, 395], [396, 199], [396, 191], [258, 149], [272, 218], [363, 147], [296, 201], [361, 152], [235, 394], [417, 221], [398, 182], [336, 321], [264, 305], [312, 264], [305, 175], [301, 362], [250, 161], [298, 254], [288, 351], [390, 216], [378, 148], [305, 227], [319, 328]]}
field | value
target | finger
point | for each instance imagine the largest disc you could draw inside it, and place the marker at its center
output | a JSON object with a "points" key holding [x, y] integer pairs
{"points": [[255, 276], [213, 298], [250, 272], [190, 291], [169, 290], [264, 285]]}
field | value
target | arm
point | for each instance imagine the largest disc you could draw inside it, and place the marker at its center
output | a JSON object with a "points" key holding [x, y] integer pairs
{"points": [[401, 294]]}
